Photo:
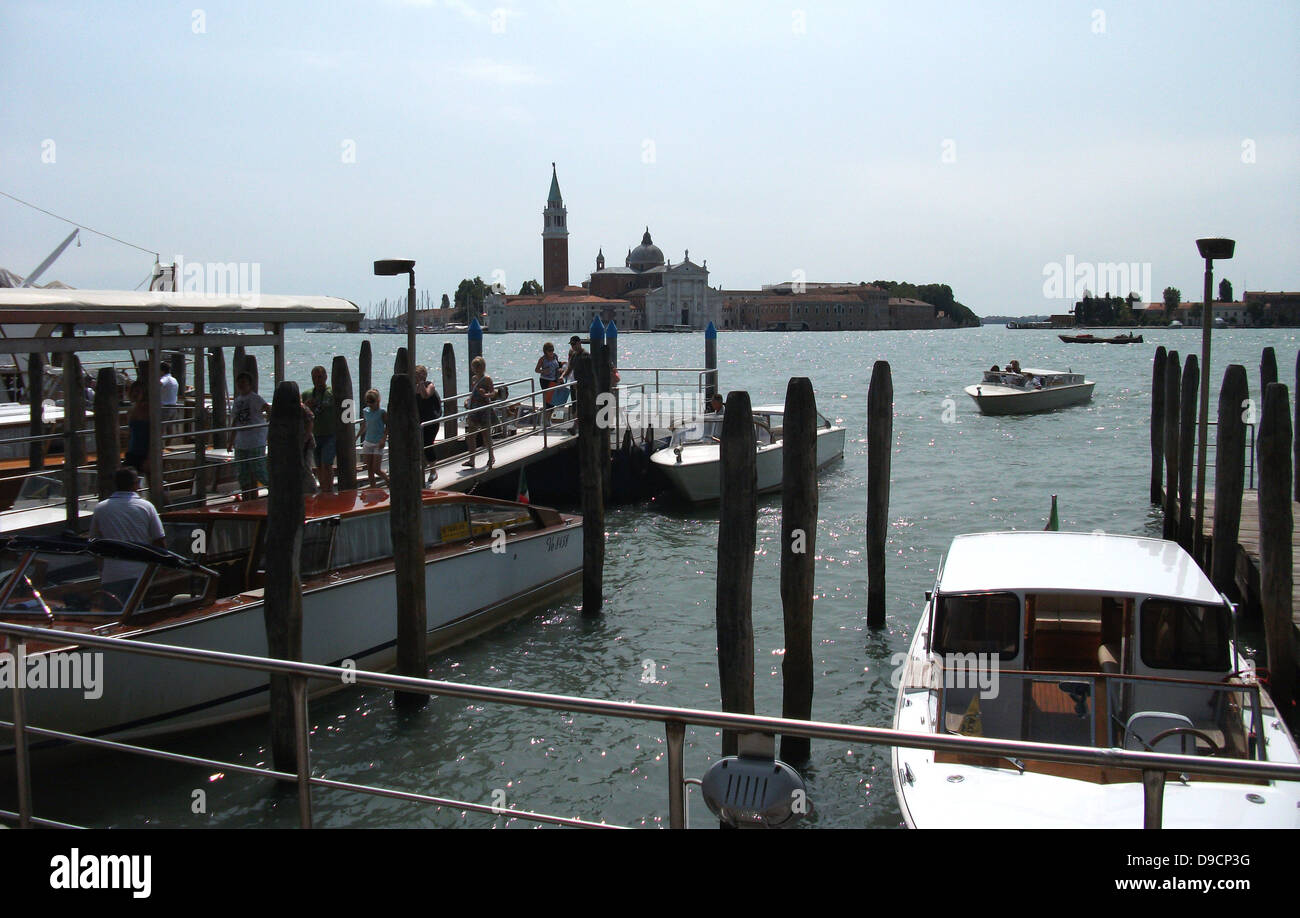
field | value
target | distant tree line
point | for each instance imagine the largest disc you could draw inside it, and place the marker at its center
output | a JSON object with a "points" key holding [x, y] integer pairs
{"points": [[1106, 310], [937, 295]]}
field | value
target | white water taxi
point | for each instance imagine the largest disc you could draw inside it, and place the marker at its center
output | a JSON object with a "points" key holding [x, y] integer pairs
{"points": [[214, 600], [1083, 640], [1029, 390], [692, 461]]}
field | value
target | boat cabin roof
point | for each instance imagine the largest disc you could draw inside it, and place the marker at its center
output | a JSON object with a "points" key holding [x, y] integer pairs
{"points": [[1074, 562], [322, 506]]}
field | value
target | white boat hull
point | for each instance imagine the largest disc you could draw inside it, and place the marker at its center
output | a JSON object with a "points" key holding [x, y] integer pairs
{"points": [[351, 619], [698, 476], [993, 399]]}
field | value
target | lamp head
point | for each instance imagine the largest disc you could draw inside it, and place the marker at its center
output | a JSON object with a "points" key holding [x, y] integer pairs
{"points": [[1216, 249], [388, 267]]}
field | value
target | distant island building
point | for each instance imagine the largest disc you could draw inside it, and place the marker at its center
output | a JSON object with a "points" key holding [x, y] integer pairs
{"points": [[560, 306], [1256, 309], [646, 293], [818, 306], [664, 294]]}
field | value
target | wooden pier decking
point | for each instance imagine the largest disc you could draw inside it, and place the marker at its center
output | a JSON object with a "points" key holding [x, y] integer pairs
{"points": [[511, 455], [1247, 566]]}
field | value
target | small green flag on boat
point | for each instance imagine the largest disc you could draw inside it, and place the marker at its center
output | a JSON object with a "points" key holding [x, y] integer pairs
{"points": [[1054, 522]]}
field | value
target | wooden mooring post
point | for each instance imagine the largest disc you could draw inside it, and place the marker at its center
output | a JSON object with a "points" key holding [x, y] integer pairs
{"points": [[363, 372], [880, 445], [1295, 428], [798, 549], [449, 390], [401, 366], [600, 366], [1158, 425], [1275, 549], [1173, 374], [347, 406], [283, 588], [1267, 368], [108, 443], [591, 442], [737, 536], [405, 480], [218, 383], [1187, 452], [1229, 477]]}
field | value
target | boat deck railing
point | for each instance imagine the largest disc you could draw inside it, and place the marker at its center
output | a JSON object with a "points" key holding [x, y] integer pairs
{"points": [[1152, 765]]}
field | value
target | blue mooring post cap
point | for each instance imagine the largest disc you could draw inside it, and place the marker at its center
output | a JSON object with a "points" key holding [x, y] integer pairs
{"points": [[597, 330], [611, 330], [710, 331], [475, 330]]}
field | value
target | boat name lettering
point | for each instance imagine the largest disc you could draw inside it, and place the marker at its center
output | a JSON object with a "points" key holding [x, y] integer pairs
{"points": [[557, 541]]}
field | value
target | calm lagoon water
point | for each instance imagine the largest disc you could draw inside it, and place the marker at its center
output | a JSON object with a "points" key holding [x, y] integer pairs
{"points": [[954, 471]]}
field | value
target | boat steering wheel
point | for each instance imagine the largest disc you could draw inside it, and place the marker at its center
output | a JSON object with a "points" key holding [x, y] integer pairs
{"points": [[1215, 748]]}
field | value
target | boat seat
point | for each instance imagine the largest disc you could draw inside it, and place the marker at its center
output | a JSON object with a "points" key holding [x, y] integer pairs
{"points": [[1145, 724]]}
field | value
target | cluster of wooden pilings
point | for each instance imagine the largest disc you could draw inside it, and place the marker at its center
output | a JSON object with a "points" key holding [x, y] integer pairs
{"points": [[737, 537], [1277, 443]]}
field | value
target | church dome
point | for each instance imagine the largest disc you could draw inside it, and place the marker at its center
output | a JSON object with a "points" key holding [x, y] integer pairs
{"points": [[646, 255]]}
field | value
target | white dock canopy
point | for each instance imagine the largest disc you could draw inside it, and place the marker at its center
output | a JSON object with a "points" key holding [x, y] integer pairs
{"points": [[36, 321], [28, 305]]}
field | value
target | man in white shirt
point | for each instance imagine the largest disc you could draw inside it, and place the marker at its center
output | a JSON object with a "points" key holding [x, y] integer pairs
{"points": [[169, 391], [125, 517]]}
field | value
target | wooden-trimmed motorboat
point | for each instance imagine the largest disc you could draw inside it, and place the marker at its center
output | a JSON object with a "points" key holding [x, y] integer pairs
{"points": [[207, 592]]}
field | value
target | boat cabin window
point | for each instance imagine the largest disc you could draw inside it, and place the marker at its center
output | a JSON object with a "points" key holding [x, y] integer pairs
{"points": [[444, 523], [222, 545], [362, 539], [978, 623], [1178, 635], [59, 584], [317, 540], [484, 519]]}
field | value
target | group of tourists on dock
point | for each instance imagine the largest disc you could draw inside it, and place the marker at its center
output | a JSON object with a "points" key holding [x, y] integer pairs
{"points": [[324, 420]]}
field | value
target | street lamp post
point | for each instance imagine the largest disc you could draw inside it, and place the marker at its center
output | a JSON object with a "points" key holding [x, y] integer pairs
{"points": [[390, 267], [1210, 249]]}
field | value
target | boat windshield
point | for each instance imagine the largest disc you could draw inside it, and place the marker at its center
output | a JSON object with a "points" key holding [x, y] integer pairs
{"points": [[1100, 710], [707, 430], [53, 584], [981, 623], [1177, 635]]}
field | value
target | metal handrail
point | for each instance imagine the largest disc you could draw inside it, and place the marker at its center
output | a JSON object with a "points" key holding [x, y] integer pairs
{"points": [[1151, 764], [1250, 447]]}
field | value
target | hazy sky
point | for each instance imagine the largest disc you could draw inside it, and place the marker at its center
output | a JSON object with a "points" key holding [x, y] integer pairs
{"points": [[975, 143]]}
